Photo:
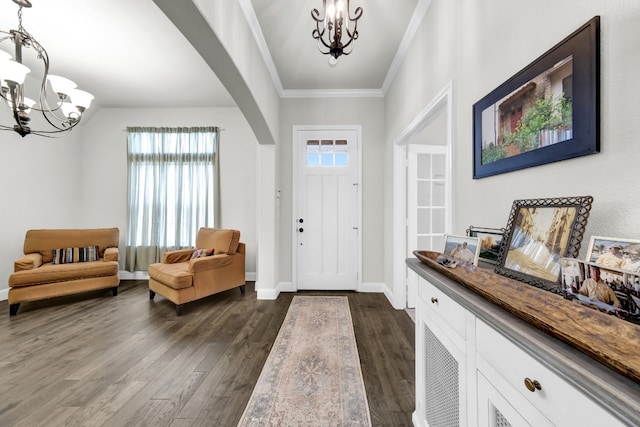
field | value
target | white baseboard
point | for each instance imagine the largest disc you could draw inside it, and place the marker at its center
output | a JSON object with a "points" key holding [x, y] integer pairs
{"points": [[392, 299], [271, 294], [4, 294], [286, 287], [267, 294], [415, 418], [250, 276], [133, 275], [372, 287]]}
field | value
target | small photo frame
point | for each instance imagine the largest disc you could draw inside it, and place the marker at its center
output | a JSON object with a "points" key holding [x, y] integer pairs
{"points": [[490, 240], [538, 234], [462, 249], [614, 252], [609, 290]]}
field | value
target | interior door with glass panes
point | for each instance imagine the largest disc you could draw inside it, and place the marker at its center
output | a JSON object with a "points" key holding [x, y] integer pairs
{"points": [[426, 204], [326, 218]]}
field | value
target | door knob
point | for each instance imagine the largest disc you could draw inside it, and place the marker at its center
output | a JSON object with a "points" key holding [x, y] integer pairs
{"points": [[301, 220], [301, 229]]}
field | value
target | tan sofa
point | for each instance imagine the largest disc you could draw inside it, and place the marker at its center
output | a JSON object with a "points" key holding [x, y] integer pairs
{"points": [[37, 277], [181, 279]]}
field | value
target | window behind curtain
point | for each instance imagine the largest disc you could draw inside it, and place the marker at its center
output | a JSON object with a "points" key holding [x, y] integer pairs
{"points": [[173, 190]]}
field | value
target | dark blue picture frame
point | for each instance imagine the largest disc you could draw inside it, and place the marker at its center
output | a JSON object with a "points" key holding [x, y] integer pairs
{"points": [[584, 48]]}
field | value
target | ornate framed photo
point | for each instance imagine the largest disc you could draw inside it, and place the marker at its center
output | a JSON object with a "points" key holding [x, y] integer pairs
{"points": [[462, 249], [609, 290], [614, 252], [538, 234], [490, 240]]}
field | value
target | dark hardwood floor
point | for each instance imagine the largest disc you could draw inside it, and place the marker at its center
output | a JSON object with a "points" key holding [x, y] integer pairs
{"points": [[94, 359]]}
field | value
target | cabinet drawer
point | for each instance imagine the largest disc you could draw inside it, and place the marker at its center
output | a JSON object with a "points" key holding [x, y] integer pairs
{"points": [[496, 410], [445, 308], [507, 366]]}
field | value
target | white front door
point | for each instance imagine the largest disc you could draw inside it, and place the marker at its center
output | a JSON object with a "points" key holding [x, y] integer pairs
{"points": [[326, 218], [426, 204]]}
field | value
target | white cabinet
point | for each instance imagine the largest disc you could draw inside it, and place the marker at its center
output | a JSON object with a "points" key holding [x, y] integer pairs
{"points": [[442, 382], [534, 390], [496, 410], [470, 374], [440, 365]]}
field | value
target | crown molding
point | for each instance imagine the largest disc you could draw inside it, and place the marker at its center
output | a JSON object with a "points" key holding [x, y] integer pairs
{"points": [[256, 30], [416, 19]]}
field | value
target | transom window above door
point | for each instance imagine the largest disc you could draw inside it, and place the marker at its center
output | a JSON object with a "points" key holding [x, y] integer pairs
{"points": [[327, 152]]}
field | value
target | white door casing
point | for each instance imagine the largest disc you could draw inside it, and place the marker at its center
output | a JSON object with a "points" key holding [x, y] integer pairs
{"points": [[426, 204], [441, 104], [326, 206]]}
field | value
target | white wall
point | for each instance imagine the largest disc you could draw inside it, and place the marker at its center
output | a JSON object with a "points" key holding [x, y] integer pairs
{"points": [[480, 44], [39, 187], [366, 112], [104, 167]]}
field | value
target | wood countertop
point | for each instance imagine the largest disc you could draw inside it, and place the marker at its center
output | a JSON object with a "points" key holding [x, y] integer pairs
{"points": [[597, 353]]}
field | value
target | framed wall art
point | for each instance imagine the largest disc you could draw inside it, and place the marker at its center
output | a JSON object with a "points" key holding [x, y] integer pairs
{"points": [[490, 240], [539, 233], [547, 112]]}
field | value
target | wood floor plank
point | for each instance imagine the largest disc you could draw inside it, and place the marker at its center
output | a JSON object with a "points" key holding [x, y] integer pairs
{"points": [[212, 411], [178, 373], [94, 359], [40, 396], [45, 402], [146, 411], [181, 422], [56, 416], [105, 405], [104, 357], [230, 364], [174, 405]]}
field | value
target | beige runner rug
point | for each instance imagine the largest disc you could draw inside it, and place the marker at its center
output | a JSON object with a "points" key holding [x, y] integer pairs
{"points": [[312, 376]]}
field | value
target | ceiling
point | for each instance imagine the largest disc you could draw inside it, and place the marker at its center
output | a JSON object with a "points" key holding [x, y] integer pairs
{"points": [[287, 26], [129, 55]]}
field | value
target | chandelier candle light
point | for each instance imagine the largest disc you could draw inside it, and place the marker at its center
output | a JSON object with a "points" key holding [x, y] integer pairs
{"points": [[335, 19], [69, 102]]}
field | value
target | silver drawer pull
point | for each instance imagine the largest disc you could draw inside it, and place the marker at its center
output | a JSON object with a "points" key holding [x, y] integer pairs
{"points": [[434, 300], [532, 386]]}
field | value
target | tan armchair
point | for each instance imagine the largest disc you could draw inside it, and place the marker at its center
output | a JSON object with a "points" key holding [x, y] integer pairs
{"points": [[182, 279]]}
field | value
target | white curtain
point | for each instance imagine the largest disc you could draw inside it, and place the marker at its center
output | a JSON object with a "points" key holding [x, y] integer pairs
{"points": [[174, 189]]}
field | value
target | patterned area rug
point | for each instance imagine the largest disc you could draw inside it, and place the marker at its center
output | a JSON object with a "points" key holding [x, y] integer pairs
{"points": [[312, 376]]}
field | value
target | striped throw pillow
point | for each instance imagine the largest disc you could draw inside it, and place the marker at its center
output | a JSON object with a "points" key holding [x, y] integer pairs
{"points": [[70, 255]]}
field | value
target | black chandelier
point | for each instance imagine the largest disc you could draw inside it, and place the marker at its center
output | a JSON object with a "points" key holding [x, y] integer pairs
{"points": [[68, 102], [334, 20]]}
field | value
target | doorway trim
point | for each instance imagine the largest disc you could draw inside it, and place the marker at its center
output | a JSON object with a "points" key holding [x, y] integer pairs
{"points": [[441, 103], [294, 196]]}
